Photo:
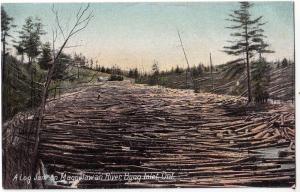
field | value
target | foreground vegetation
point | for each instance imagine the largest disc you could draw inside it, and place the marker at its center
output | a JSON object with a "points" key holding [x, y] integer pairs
{"points": [[23, 83]]}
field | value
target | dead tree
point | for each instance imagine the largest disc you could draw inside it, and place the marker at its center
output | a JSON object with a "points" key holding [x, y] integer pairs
{"points": [[186, 59], [211, 73], [83, 18]]}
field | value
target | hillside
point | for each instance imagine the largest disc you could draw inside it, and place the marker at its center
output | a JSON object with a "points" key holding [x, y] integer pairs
{"points": [[23, 83], [281, 86]]}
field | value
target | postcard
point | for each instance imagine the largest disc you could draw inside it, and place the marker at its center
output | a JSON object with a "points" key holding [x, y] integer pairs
{"points": [[148, 95]]}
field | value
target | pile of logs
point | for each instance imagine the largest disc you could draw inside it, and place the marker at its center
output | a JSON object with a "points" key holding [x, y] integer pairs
{"points": [[282, 84], [137, 129], [206, 140]]}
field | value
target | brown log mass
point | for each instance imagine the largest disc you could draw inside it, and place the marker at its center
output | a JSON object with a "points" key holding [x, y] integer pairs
{"points": [[206, 140]]}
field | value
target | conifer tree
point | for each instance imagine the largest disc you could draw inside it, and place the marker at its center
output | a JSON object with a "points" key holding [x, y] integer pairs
{"points": [[248, 38], [6, 25], [30, 38], [46, 56]]}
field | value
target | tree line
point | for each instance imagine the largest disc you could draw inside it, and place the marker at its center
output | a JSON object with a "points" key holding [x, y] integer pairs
{"points": [[25, 73]]}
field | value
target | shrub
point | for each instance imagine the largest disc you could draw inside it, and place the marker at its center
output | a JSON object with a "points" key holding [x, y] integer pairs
{"points": [[115, 77]]}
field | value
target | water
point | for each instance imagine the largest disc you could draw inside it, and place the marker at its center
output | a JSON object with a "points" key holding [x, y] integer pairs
{"points": [[273, 153]]}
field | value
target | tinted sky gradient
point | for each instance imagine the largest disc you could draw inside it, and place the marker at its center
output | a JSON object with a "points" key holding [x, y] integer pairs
{"points": [[134, 34]]}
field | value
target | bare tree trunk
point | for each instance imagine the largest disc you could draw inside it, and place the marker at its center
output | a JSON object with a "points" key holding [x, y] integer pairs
{"points": [[3, 57], [248, 67], [31, 91], [22, 58], [4, 75], [211, 74], [81, 23], [38, 119], [77, 71], [186, 59], [40, 115], [4, 79]]}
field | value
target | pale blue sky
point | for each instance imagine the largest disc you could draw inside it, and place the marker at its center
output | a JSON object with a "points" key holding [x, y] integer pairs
{"points": [[134, 34]]}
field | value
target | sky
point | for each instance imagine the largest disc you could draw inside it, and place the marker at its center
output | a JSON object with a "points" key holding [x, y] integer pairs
{"points": [[133, 35]]}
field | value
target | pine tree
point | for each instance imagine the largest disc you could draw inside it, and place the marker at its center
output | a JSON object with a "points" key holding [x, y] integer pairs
{"points": [[135, 73], [248, 38], [91, 63], [155, 68], [155, 75], [177, 70], [20, 50], [7, 94], [46, 56], [284, 63], [30, 38], [61, 66], [6, 25]]}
